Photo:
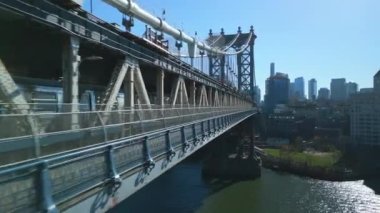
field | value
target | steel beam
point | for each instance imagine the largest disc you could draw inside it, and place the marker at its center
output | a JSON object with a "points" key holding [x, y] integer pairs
{"points": [[70, 72], [209, 96], [114, 85], [10, 94], [129, 91], [179, 93], [192, 93], [142, 94], [160, 88]]}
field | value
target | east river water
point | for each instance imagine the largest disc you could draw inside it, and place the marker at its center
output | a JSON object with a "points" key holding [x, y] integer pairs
{"points": [[182, 189]]}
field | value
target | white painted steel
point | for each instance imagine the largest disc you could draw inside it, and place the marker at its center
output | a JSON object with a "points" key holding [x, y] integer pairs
{"points": [[130, 7]]}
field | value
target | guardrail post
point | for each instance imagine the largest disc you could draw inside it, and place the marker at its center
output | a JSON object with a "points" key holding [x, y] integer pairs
{"points": [[149, 163], [46, 196], [214, 125], [218, 124], [186, 145], [114, 177], [196, 139], [203, 130], [209, 127], [171, 152]]}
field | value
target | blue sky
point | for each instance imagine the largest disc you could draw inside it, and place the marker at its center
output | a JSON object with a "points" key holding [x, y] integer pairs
{"points": [[320, 39]]}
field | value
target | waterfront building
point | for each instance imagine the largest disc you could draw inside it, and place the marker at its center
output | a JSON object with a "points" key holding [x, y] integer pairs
{"points": [[365, 115], [338, 89], [312, 89]]}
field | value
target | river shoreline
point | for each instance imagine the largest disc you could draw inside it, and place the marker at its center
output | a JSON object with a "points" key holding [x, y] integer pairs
{"points": [[183, 190], [303, 169]]}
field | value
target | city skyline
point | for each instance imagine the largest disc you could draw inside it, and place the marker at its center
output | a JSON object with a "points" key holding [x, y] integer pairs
{"points": [[307, 87], [293, 34], [102, 116]]}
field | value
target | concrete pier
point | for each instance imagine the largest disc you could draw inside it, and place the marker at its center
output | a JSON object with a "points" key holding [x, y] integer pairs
{"points": [[232, 167], [233, 156]]}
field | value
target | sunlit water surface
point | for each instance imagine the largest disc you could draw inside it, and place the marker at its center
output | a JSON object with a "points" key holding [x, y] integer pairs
{"points": [[182, 189]]}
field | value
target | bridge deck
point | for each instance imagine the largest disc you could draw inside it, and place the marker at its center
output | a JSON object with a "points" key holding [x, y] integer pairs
{"points": [[72, 180], [73, 160]]}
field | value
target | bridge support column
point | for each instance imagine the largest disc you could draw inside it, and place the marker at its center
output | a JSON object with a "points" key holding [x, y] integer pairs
{"points": [[216, 98], [202, 96], [142, 94], [209, 96], [227, 163], [192, 94], [129, 92], [160, 88], [129, 96], [179, 93], [70, 72], [160, 83], [114, 85]]}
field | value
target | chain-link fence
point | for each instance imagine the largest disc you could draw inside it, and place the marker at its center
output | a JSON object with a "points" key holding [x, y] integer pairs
{"points": [[24, 137]]}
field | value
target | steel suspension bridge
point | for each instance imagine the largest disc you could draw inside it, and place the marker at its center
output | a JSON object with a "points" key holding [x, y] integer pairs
{"points": [[90, 113]]}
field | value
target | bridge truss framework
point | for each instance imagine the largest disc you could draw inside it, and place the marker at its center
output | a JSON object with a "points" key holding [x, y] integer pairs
{"points": [[77, 154]]}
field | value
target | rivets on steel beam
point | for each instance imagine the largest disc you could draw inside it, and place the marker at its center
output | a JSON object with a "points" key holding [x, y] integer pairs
{"points": [[149, 162], [114, 180], [185, 143], [46, 196], [170, 151]]}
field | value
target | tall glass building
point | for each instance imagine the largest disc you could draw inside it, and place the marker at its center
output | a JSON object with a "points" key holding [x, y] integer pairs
{"points": [[312, 90], [276, 91]]}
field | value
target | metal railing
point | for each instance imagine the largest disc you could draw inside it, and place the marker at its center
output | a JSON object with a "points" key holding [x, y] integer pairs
{"points": [[24, 137], [41, 184]]}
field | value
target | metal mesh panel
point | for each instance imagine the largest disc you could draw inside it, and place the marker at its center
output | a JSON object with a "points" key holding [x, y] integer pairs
{"points": [[157, 145], [129, 156], [19, 192], [76, 176], [67, 131]]}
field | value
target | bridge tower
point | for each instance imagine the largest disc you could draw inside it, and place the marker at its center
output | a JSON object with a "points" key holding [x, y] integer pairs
{"points": [[246, 67], [243, 44], [217, 62]]}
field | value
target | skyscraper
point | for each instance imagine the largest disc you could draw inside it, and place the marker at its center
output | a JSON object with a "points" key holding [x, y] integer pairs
{"points": [[291, 91], [257, 95], [338, 89], [351, 88], [277, 91], [299, 88], [272, 69], [376, 82], [323, 94], [312, 89]]}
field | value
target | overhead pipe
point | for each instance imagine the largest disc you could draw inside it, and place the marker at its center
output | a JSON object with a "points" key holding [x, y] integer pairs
{"points": [[131, 8]]}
